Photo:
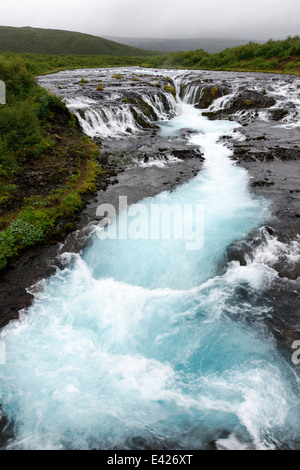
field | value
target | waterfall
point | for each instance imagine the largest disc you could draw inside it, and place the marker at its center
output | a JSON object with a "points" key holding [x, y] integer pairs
{"points": [[191, 94], [112, 119], [140, 341]]}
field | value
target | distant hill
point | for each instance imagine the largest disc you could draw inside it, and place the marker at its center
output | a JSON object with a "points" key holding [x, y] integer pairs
{"points": [[58, 42], [210, 45]]}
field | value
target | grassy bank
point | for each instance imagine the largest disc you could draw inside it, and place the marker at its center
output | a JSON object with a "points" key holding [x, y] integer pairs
{"points": [[46, 164], [41, 64], [273, 56]]}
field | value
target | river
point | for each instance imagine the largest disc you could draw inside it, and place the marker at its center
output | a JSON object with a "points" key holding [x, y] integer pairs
{"points": [[155, 342]]}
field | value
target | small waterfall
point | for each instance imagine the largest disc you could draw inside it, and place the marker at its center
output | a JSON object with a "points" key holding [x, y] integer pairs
{"points": [[114, 119], [190, 94], [165, 105], [106, 121]]}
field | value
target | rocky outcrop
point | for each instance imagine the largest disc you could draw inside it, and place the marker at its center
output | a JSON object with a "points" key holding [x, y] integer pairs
{"points": [[243, 101], [250, 99], [278, 114], [209, 94]]}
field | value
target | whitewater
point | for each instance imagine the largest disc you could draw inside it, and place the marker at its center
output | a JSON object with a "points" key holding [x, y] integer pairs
{"points": [[141, 343]]}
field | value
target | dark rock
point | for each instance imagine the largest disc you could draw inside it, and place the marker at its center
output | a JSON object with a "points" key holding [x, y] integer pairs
{"points": [[188, 153], [262, 183], [278, 113], [209, 94], [250, 99], [247, 99]]}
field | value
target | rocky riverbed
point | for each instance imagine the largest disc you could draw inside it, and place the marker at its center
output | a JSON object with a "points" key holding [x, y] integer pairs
{"points": [[268, 147]]}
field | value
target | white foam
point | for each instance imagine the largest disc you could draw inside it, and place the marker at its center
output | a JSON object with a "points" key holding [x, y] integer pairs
{"points": [[158, 161]]}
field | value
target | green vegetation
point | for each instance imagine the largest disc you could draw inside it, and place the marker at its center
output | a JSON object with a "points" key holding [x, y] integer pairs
{"points": [[44, 64], [46, 164], [273, 56], [54, 41], [171, 89]]}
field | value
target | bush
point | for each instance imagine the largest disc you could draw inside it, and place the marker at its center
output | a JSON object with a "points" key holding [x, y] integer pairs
{"points": [[20, 234], [48, 104], [17, 78], [19, 125], [71, 203], [8, 164]]}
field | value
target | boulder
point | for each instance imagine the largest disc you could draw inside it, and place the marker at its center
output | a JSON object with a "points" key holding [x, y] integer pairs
{"points": [[250, 99], [209, 94]]}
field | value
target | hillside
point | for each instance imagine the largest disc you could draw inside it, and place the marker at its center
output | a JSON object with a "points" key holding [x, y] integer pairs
{"points": [[47, 166], [57, 42], [210, 45], [272, 56]]}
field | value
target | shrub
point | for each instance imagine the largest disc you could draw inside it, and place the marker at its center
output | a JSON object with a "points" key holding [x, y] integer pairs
{"points": [[19, 125], [48, 104], [17, 78], [71, 203]]}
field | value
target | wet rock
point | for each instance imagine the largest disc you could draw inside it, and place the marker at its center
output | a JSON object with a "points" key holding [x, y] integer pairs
{"points": [[250, 99], [188, 153], [209, 94], [244, 100], [278, 113], [261, 183]]}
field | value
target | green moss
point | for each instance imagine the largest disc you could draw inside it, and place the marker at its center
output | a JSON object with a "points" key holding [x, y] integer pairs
{"points": [[100, 87], [71, 203], [170, 89], [214, 91]]}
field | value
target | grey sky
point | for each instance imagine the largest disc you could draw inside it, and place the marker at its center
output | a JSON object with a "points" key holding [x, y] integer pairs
{"points": [[257, 19]]}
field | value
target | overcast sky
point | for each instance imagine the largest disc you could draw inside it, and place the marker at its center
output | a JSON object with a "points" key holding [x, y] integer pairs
{"points": [[255, 19]]}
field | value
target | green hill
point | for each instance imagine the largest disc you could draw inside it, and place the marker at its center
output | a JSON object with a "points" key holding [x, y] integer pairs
{"points": [[57, 42]]}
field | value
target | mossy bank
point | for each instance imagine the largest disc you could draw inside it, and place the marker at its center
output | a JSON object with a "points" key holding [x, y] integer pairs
{"points": [[47, 165]]}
